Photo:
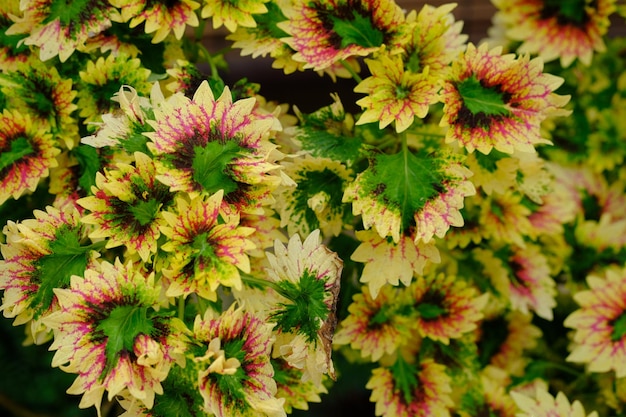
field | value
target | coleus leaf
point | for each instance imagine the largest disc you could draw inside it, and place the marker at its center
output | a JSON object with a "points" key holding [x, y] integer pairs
{"points": [[328, 133], [145, 211], [404, 181], [324, 144]]}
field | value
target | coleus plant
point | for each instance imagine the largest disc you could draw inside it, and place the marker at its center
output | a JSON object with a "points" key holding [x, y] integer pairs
{"points": [[187, 247]]}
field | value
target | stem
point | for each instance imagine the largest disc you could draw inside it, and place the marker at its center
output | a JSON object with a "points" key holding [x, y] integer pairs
{"points": [[386, 143], [203, 305], [181, 308], [405, 147], [199, 32], [250, 280], [209, 59], [353, 73], [560, 367]]}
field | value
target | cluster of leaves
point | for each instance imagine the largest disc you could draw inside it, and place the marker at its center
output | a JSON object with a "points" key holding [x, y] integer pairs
{"points": [[470, 215]]}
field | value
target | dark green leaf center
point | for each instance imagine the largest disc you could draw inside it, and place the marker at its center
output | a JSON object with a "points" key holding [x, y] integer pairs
{"points": [[566, 11], [123, 324], [619, 327], [405, 182], [211, 165], [144, 212], [67, 11], [68, 256], [405, 378], [19, 148], [306, 309], [353, 27], [203, 246], [482, 100]]}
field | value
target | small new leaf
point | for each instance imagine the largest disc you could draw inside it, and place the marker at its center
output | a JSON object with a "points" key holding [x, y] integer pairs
{"points": [[67, 257], [306, 309], [67, 11], [145, 211], [479, 99], [430, 311], [210, 166], [357, 31], [123, 324], [619, 328], [20, 148], [89, 163], [405, 378]]}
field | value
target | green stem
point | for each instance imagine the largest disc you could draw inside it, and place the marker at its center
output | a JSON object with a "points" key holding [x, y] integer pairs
{"points": [[209, 59], [202, 304], [181, 308], [405, 147], [199, 32], [250, 280], [353, 73], [559, 367]]}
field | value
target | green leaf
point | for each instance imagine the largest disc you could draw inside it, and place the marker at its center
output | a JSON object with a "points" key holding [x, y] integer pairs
{"points": [[181, 396], [89, 162], [203, 247], [67, 257], [430, 311], [403, 181], [20, 148], [359, 30], [572, 11], [267, 23], [324, 144], [413, 62], [210, 165], [326, 133], [145, 211], [68, 11], [306, 309], [217, 85], [405, 378], [12, 41], [619, 328], [494, 333], [478, 99], [123, 324], [382, 316], [136, 142], [234, 349], [591, 206], [232, 390], [311, 184], [489, 161]]}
